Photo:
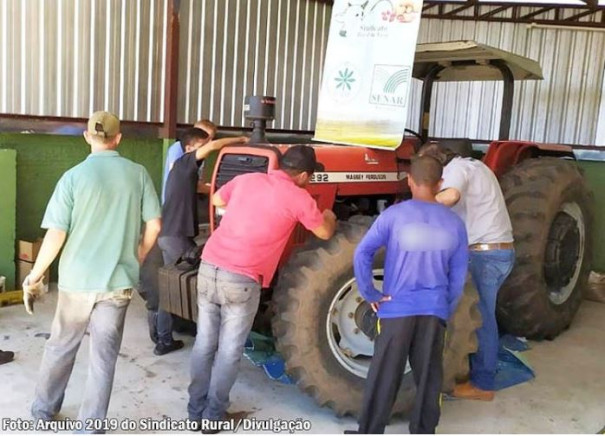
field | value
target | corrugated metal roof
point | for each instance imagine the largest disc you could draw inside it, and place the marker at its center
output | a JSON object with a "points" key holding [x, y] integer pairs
{"points": [[234, 48], [473, 62], [78, 56], [71, 57], [563, 108]]}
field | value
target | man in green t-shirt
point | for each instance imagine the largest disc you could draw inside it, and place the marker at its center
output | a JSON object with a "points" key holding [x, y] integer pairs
{"points": [[96, 214]]}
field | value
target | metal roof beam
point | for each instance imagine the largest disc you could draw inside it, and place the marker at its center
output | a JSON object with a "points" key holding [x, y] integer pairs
{"points": [[532, 4], [517, 13], [428, 6], [494, 12], [592, 4], [536, 13], [460, 9], [580, 15]]}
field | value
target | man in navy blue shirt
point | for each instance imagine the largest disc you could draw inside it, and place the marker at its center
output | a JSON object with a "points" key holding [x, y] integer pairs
{"points": [[424, 274], [180, 217]]}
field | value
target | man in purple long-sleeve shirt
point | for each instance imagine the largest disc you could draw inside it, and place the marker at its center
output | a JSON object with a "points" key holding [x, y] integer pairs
{"points": [[424, 273]]}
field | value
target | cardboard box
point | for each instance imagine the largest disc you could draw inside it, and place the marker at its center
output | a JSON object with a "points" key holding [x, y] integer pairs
{"points": [[24, 268], [28, 251]]}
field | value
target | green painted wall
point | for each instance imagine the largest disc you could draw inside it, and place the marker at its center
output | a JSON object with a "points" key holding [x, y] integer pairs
{"points": [[595, 175], [42, 159], [8, 199]]}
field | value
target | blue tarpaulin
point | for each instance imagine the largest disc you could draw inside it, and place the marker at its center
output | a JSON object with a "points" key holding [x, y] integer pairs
{"points": [[260, 350], [513, 368]]}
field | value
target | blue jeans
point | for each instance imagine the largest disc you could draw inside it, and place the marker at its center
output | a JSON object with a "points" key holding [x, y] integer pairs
{"points": [[103, 315], [489, 269], [227, 303]]}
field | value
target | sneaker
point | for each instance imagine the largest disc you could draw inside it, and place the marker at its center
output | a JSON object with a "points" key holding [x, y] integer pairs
{"points": [[469, 392], [6, 356], [162, 348]]}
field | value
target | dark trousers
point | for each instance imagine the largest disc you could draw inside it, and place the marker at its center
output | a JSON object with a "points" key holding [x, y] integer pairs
{"points": [[173, 247], [421, 338], [149, 289]]}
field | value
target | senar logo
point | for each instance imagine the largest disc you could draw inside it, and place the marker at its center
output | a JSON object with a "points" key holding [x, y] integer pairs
{"points": [[387, 89]]}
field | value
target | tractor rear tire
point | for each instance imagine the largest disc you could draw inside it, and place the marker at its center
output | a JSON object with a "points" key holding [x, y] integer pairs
{"points": [[306, 290], [551, 209]]}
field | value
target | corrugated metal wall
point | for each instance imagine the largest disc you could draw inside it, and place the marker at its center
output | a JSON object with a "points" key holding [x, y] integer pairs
{"points": [[71, 57], [233, 48], [564, 107], [601, 123]]}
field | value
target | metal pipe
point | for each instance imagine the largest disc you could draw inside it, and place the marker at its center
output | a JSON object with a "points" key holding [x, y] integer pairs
{"points": [[507, 98], [172, 71], [427, 91], [556, 27]]}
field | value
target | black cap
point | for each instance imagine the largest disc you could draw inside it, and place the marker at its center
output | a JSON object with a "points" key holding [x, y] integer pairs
{"points": [[301, 157]]}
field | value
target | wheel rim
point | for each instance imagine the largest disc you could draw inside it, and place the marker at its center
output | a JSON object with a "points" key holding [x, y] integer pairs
{"points": [[349, 327], [565, 252]]}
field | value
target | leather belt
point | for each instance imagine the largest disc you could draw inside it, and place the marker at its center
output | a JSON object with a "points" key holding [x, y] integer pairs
{"points": [[492, 246]]}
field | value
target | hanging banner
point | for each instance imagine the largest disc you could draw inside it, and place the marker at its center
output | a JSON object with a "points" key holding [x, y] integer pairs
{"points": [[367, 72]]}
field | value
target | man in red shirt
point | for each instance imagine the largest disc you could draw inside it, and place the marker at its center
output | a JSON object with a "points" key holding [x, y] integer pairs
{"points": [[240, 258]]}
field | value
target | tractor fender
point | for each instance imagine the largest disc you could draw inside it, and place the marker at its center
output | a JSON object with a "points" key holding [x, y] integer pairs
{"points": [[501, 156]]}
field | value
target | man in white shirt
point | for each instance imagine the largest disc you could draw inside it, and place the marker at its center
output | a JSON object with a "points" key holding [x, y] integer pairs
{"points": [[472, 190]]}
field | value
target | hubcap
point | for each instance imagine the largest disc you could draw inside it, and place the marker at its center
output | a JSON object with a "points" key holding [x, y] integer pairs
{"points": [[351, 327], [564, 252]]}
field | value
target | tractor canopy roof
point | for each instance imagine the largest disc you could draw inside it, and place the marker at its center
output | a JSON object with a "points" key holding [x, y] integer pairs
{"points": [[471, 61]]}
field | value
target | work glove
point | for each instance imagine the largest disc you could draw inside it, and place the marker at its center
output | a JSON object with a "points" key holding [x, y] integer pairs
{"points": [[31, 292]]}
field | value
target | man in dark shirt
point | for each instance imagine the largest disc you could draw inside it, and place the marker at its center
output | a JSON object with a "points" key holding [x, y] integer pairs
{"points": [[179, 215], [424, 274]]}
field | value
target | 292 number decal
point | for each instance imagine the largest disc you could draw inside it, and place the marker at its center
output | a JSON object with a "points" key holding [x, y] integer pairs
{"points": [[320, 178]]}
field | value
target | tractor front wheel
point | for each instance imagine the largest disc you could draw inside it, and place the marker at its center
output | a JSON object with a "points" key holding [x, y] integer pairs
{"points": [[325, 330]]}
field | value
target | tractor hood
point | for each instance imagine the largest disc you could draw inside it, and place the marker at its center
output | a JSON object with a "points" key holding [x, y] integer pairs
{"points": [[471, 61]]}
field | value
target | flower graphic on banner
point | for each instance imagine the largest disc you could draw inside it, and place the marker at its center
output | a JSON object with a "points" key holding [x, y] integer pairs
{"points": [[402, 11], [344, 79], [345, 82]]}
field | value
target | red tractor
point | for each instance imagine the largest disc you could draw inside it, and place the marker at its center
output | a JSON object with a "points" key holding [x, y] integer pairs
{"points": [[322, 326]]}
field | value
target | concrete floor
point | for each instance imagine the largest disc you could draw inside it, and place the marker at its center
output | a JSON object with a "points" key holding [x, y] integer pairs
{"points": [[567, 396]]}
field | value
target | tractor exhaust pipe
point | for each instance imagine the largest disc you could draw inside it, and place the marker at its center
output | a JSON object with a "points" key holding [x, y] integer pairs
{"points": [[259, 110]]}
